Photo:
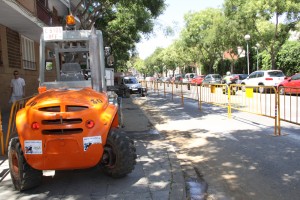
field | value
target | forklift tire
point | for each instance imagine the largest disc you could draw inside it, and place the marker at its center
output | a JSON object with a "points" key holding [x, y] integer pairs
{"points": [[23, 176], [119, 156]]}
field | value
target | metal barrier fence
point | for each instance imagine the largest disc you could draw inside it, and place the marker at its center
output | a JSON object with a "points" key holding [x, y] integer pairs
{"points": [[289, 105], [11, 129], [260, 100]]}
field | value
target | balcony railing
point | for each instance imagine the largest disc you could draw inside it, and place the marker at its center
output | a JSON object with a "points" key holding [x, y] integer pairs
{"points": [[43, 13]]}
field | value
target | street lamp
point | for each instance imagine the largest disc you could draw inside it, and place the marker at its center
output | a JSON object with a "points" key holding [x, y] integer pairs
{"points": [[257, 47], [247, 38]]}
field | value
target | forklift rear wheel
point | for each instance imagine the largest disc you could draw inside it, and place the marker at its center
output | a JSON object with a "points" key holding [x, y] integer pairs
{"points": [[119, 156], [23, 176]]}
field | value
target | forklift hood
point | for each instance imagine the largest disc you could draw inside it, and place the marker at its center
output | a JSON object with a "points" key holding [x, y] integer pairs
{"points": [[55, 98]]}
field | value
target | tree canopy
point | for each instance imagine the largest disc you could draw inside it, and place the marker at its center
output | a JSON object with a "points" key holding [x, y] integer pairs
{"points": [[122, 22], [269, 22], [207, 34]]}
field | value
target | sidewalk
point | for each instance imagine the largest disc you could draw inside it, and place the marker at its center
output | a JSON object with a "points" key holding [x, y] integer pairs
{"points": [[157, 174], [238, 157]]}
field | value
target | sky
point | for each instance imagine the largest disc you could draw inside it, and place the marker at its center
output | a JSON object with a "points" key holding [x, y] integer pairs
{"points": [[173, 16]]}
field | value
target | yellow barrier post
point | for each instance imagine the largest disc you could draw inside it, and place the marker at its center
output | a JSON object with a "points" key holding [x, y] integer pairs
{"points": [[11, 123], [277, 96], [200, 97], [182, 103], [146, 85], [165, 89], [229, 103], [172, 90]]}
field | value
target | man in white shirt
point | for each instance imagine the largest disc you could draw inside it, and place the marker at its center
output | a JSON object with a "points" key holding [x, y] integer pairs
{"points": [[17, 85]]}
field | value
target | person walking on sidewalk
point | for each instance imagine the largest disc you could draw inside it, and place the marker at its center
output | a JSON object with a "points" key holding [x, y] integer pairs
{"points": [[17, 85]]}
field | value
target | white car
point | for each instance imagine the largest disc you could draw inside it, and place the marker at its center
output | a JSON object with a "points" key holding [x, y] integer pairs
{"points": [[263, 78]]}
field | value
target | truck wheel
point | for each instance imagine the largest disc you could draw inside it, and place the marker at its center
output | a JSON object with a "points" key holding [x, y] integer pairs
{"points": [[23, 176], [119, 156]]}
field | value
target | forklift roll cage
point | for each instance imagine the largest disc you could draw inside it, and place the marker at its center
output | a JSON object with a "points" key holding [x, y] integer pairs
{"points": [[86, 43]]}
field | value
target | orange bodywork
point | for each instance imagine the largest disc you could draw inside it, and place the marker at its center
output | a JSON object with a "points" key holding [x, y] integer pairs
{"points": [[65, 129]]}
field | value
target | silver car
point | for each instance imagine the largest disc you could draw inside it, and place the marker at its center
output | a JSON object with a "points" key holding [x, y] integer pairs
{"points": [[212, 79]]}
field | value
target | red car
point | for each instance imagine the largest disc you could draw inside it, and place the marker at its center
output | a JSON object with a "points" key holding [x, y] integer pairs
{"points": [[197, 80], [290, 85]]}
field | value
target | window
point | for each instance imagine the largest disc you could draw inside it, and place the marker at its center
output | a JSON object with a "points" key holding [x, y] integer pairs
{"points": [[276, 74], [28, 53], [296, 77], [260, 74], [13, 48], [253, 75]]}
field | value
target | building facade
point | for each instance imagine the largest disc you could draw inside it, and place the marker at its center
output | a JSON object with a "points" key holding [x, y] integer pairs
{"points": [[21, 24]]}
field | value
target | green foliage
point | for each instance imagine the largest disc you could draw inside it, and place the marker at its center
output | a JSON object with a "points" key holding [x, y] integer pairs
{"points": [[288, 59], [121, 21], [138, 64], [265, 60], [206, 35], [154, 63], [269, 22]]}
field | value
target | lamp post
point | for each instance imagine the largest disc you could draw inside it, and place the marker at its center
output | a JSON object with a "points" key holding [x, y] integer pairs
{"points": [[257, 47], [247, 38]]}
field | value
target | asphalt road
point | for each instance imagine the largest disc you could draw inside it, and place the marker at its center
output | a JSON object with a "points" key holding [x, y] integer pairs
{"points": [[238, 158]]}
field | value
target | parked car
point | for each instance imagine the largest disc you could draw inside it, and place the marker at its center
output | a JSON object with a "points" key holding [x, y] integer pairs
{"points": [[164, 79], [177, 78], [133, 85], [188, 77], [290, 85], [197, 79], [239, 78], [212, 79], [263, 78]]}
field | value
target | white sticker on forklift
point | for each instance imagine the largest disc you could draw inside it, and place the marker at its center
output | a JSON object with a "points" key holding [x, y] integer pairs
{"points": [[88, 141], [33, 146]]}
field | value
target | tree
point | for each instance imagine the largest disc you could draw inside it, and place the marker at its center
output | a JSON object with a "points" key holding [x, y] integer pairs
{"points": [[138, 64], [121, 21], [209, 34], [262, 20], [154, 63], [172, 58], [288, 58]]}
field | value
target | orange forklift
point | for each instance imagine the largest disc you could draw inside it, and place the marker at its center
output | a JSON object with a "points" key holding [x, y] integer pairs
{"points": [[73, 122]]}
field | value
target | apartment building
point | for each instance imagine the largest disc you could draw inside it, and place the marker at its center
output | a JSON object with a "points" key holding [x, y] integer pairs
{"points": [[21, 23]]}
